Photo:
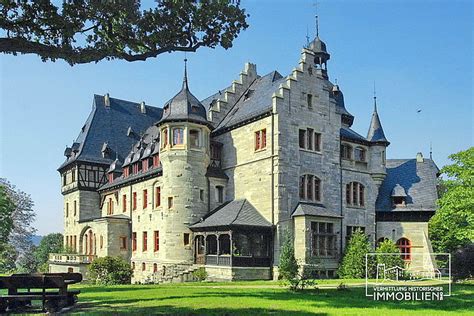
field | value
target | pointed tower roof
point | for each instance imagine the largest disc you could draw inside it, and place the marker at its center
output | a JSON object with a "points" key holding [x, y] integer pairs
{"points": [[376, 133], [184, 106]]}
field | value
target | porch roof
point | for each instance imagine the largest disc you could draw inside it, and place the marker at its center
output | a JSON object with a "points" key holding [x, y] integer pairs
{"points": [[314, 209], [233, 213]]}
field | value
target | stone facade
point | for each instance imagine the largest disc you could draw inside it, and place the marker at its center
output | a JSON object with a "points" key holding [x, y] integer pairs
{"points": [[285, 145]]}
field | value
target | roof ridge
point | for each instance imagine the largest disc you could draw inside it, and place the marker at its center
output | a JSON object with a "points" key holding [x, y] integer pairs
{"points": [[240, 210]]}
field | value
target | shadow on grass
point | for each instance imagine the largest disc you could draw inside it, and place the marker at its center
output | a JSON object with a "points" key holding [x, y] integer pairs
{"points": [[167, 301]]}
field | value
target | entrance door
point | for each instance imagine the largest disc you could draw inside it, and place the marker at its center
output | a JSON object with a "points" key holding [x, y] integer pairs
{"points": [[200, 250]]}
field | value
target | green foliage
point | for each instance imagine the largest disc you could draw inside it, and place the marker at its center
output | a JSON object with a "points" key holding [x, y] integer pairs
{"points": [[390, 261], [288, 267], [51, 243], [353, 264], [452, 226], [6, 210], [200, 274], [90, 31], [8, 256], [110, 270], [463, 263]]}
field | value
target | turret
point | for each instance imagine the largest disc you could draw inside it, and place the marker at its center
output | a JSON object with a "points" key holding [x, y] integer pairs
{"points": [[184, 155], [378, 147]]}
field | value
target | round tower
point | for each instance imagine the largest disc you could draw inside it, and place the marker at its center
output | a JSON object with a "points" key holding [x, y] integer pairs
{"points": [[378, 147], [184, 155]]}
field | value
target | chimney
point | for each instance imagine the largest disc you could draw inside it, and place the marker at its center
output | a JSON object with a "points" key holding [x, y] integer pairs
{"points": [[419, 157], [107, 100], [143, 107]]}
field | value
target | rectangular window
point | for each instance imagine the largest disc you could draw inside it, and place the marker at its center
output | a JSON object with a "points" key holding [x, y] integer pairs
{"points": [[351, 230], [157, 240], [170, 202], [73, 175], [134, 241], [164, 138], [124, 203], [220, 193], [177, 136], [157, 197], [194, 138], [123, 242], [310, 142], [75, 208], [310, 101], [145, 241], [110, 207], [67, 209], [260, 139], [201, 195], [323, 243], [145, 165], [186, 239], [134, 201], [101, 242], [317, 142], [145, 199], [156, 160]]}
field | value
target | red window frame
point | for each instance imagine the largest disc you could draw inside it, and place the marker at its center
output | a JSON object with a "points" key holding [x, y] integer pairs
{"points": [[134, 241], [404, 245], [157, 240], [145, 241], [124, 203], [145, 199], [261, 139], [134, 201], [156, 160], [157, 196]]}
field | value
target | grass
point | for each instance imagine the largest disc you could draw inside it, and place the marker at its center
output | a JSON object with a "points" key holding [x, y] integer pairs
{"points": [[259, 298]]}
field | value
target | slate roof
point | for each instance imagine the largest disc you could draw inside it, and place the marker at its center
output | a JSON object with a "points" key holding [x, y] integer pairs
{"points": [[184, 106], [234, 213], [376, 133], [256, 101], [109, 124], [314, 209], [418, 179], [132, 178], [350, 134], [318, 46]]}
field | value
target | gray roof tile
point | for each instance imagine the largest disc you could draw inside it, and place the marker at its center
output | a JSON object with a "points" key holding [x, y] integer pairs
{"points": [[314, 209]]}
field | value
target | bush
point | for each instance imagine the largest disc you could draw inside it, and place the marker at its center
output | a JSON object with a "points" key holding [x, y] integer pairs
{"points": [[353, 264], [288, 267], [200, 274], [462, 265], [389, 261], [110, 271]]}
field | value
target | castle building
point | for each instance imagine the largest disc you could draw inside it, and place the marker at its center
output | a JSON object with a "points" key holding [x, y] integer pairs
{"points": [[216, 183]]}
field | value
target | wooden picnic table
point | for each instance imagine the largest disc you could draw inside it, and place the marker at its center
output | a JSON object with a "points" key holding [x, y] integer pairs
{"points": [[49, 288]]}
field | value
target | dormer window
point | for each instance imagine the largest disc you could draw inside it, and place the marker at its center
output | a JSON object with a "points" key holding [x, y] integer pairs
{"points": [[167, 109], [398, 196], [194, 109]]}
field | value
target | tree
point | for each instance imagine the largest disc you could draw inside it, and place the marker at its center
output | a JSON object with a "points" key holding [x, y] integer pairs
{"points": [[384, 255], [288, 267], [7, 258], [462, 265], [452, 226], [22, 218], [51, 243], [353, 264], [86, 31], [6, 210], [110, 270]]}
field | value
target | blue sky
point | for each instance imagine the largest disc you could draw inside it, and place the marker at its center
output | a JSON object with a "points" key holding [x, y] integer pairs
{"points": [[419, 53]]}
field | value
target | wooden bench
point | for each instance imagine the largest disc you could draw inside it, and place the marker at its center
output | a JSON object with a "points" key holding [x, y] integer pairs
{"points": [[49, 288]]}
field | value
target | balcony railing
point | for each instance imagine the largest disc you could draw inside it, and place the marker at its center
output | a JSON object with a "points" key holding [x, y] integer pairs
{"points": [[70, 258]]}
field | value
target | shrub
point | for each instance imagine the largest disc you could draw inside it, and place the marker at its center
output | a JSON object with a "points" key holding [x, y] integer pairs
{"points": [[389, 261], [110, 271], [462, 265], [353, 264], [200, 274], [288, 267]]}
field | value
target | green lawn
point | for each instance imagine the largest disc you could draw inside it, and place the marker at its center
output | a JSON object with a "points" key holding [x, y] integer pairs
{"points": [[257, 298]]}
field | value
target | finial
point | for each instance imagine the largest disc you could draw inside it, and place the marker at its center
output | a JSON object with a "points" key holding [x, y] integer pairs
{"points": [[317, 18], [431, 150], [335, 81], [307, 37], [185, 79], [375, 99]]}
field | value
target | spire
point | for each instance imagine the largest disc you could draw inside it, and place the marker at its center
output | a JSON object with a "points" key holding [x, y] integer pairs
{"points": [[317, 18], [185, 78], [376, 133], [431, 150]]}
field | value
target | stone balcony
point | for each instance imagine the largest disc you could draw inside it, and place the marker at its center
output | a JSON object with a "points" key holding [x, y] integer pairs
{"points": [[70, 258]]}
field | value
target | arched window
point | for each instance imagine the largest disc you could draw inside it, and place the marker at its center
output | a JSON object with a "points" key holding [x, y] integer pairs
{"points": [[310, 188], [346, 151], [359, 154], [164, 138], [143, 266], [355, 194], [178, 136], [405, 248], [155, 268], [211, 245]]}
